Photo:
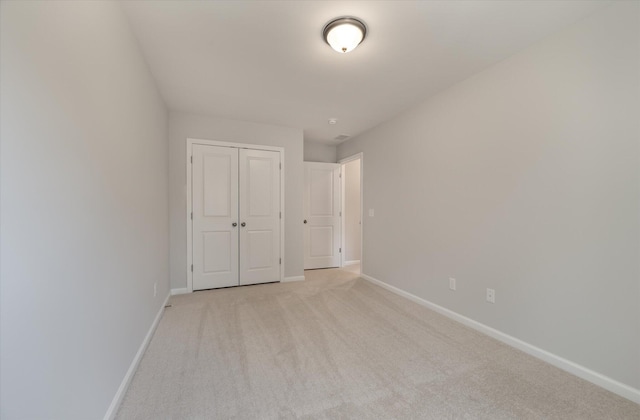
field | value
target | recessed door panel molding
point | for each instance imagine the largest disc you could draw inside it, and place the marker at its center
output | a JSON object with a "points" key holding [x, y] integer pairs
{"points": [[322, 215], [235, 202], [217, 252], [322, 191], [216, 181], [259, 186], [260, 250], [321, 241]]}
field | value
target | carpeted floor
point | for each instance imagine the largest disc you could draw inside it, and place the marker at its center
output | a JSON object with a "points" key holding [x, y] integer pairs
{"points": [[336, 346]]}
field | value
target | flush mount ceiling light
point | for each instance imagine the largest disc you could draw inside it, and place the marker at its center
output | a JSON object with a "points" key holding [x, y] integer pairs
{"points": [[344, 34]]}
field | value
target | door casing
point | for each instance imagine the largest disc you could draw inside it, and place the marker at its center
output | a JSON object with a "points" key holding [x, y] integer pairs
{"points": [[357, 156]]}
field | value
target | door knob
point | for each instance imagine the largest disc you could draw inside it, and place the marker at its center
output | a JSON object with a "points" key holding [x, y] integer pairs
{"points": [[234, 224], [243, 224], [305, 221]]}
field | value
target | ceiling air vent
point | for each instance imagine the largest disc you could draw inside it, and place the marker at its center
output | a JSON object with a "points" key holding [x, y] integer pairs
{"points": [[342, 137]]}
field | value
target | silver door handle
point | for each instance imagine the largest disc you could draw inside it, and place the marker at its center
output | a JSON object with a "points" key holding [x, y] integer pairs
{"points": [[243, 224], [234, 224]]}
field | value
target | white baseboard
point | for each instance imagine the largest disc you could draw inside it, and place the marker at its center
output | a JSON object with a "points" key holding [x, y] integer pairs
{"points": [[580, 371], [352, 262], [117, 399], [293, 278], [180, 291]]}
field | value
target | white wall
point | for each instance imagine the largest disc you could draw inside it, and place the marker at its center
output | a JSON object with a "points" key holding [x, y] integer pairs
{"points": [[84, 207], [183, 126], [524, 178], [352, 213], [319, 152]]}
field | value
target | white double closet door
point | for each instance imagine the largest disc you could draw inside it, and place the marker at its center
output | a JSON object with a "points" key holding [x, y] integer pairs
{"points": [[236, 216]]}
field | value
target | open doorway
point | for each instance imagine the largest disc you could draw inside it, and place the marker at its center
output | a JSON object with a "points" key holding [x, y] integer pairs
{"points": [[352, 200]]}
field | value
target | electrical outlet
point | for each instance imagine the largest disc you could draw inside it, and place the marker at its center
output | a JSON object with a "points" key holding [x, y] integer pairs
{"points": [[452, 283], [155, 289], [491, 296]]}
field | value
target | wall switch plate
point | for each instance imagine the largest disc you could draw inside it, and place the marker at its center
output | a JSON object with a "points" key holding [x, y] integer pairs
{"points": [[371, 212], [452, 283], [491, 296]]}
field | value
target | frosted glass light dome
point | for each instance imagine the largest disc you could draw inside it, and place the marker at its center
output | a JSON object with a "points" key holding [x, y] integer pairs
{"points": [[344, 34]]}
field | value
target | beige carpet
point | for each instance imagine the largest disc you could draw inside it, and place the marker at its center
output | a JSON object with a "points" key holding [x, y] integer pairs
{"points": [[336, 346]]}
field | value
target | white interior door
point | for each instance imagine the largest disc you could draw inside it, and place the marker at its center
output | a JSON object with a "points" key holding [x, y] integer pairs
{"points": [[215, 211], [322, 215], [259, 216]]}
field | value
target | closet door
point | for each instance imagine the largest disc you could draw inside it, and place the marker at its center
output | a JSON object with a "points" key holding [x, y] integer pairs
{"points": [[259, 216], [215, 211]]}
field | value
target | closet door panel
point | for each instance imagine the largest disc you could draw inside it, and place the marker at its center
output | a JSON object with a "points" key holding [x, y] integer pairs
{"points": [[259, 216], [215, 210]]}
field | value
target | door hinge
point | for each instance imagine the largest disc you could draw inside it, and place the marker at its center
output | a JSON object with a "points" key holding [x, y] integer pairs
{"points": [[280, 261], [191, 159], [280, 166], [340, 175], [339, 250], [281, 215], [340, 214], [191, 215], [192, 268]]}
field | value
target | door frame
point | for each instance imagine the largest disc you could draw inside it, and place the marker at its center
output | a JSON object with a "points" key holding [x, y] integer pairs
{"points": [[189, 154], [343, 238]]}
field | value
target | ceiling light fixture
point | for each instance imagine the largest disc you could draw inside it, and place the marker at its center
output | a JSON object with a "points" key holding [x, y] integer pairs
{"points": [[344, 34]]}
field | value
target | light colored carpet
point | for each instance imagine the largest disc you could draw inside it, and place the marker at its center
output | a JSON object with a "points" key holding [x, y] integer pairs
{"points": [[336, 346]]}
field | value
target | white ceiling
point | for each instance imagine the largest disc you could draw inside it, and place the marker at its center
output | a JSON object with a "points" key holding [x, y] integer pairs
{"points": [[266, 61]]}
